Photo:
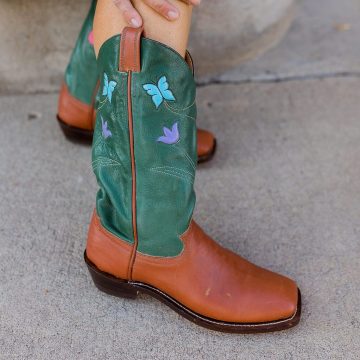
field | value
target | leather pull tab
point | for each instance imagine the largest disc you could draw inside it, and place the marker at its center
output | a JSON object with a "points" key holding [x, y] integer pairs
{"points": [[130, 49]]}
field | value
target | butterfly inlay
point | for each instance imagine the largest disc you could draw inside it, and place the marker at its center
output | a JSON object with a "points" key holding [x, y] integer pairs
{"points": [[109, 87], [159, 92]]}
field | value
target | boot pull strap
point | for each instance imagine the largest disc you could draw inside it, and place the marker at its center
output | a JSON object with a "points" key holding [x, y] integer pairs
{"points": [[130, 50]]}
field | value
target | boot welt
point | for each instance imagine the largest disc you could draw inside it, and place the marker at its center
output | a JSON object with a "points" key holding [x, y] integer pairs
{"points": [[130, 289]]}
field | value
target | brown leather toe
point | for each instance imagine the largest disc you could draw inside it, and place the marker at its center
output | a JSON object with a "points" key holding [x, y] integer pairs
{"points": [[206, 143], [218, 283]]}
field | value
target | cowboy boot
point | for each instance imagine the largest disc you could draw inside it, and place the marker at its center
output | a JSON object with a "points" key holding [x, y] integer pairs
{"points": [[78, 95], [142, 237]]}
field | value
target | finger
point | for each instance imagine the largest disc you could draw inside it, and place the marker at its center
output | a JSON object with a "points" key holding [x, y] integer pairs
{"points": [[164, 8], [131, 16], [192, 2]]}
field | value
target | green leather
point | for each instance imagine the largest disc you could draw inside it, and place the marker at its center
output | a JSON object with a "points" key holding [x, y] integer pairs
{"points": [[165, 197], [81, 74]]}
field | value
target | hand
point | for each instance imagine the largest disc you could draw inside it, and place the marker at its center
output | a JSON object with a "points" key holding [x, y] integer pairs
{"points": [[163, 7]]}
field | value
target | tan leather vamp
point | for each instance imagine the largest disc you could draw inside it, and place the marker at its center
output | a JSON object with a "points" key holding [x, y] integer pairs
{"points": [[73, 112], [109, 253], [205, 142], [206, 278]]}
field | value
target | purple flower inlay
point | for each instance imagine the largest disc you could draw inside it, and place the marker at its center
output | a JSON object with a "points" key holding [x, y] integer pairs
{"points": [[105, 131], [170, 136]]}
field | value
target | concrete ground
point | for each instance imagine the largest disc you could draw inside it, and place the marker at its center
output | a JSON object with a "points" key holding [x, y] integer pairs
{"points": [[321, 43], [283, 191]]}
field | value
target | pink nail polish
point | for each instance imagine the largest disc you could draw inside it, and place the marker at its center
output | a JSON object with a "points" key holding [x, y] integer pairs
{"points": [[135, 22], [173, 15]]}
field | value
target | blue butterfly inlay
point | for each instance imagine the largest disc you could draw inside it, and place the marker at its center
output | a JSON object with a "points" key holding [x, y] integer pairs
{"points": [[170, 136], [109, 87], [159, 92], [105, 131]]}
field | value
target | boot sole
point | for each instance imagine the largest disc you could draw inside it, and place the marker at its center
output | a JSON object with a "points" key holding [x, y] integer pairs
{"points": [[130, 289], [75, 134], [82, 136]]}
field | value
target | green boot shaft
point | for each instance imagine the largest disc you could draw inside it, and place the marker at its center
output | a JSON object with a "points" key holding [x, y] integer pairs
{"points": [[81, 74], [144, 150]]}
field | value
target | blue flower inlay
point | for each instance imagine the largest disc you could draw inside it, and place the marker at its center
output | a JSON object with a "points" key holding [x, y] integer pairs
{"points": [[170, 136], [105, 131]]}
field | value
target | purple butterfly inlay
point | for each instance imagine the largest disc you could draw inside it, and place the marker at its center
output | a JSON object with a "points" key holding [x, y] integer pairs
{"points": [[105, 131], [170, 136]]}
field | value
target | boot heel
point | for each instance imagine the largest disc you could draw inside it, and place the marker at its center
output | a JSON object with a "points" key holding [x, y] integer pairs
{"points": [[75, 134], [110, 284]]}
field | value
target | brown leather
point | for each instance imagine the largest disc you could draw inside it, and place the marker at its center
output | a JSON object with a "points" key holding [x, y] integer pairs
{"points": [[133, 176], [73, 112], [189, 60], [129, 61], [109, 253], [205, 277], [130, 49], [205, 142], [93, 121]]}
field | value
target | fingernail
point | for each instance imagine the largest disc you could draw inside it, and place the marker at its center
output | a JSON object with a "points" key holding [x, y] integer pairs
{"points": [[173, 15], [135, 22]]}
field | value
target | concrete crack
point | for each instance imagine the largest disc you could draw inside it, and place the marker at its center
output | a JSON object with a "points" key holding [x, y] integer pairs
{"points": [[278, 79]]}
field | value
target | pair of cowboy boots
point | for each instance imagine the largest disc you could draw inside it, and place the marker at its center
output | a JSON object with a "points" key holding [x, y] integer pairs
{"points": [[142, 236]]}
